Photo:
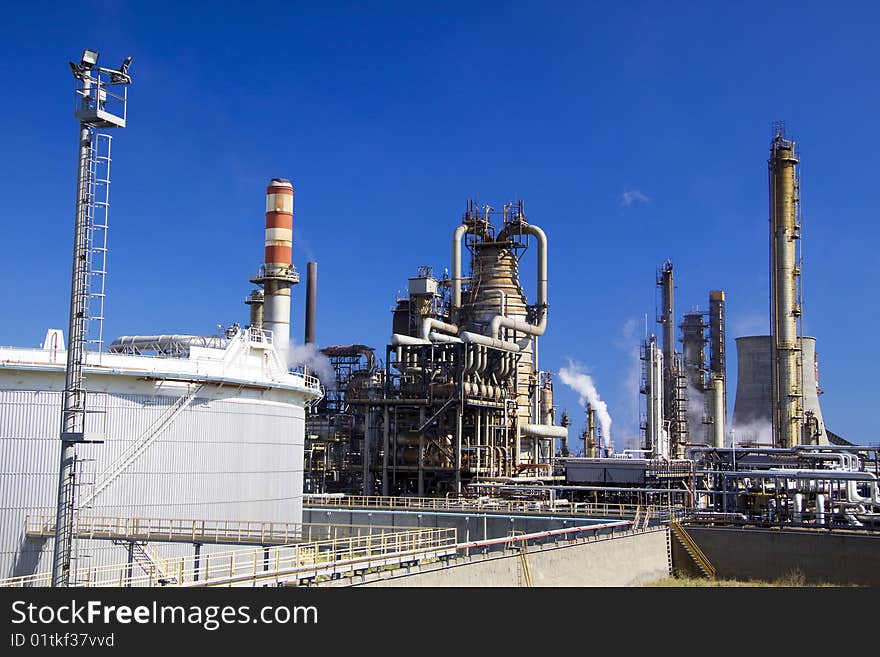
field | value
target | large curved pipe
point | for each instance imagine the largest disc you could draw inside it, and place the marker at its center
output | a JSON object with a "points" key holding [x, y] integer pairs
{"points": [[476, 338], [455, 302], [544, 431], [436, 324], [445, 339], [398, 339], [500, 321]]}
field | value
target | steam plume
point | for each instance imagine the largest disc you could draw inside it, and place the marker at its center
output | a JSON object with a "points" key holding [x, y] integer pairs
{"points": [[578, 380]]}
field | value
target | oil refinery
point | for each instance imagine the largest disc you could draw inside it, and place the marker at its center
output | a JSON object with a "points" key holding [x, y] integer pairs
{"points": [[439, 458]]}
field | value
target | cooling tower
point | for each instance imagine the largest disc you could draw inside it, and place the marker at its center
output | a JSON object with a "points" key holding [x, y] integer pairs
{"points": [[753, 408]]}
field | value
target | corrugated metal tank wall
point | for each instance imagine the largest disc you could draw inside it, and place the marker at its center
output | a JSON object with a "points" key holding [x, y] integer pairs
{"points": [[225, 456]]}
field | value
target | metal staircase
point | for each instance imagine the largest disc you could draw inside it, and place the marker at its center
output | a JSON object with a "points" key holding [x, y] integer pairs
{"points": [[148, 561], [143, 442], [691, 547]]}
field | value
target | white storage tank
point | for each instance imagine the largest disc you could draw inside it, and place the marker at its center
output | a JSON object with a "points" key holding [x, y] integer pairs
{"points": [[214, 432]]}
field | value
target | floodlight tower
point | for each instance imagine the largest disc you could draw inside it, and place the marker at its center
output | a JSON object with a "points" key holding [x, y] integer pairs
{"points": [[101, 96]]}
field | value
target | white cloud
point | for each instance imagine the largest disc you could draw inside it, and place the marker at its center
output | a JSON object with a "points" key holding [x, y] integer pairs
{"points": [[630, 196]]}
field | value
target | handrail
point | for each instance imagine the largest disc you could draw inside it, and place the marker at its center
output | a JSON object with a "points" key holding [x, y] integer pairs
{"points": [[194, 530], [236, 566], [485, 504], [694, 549]]}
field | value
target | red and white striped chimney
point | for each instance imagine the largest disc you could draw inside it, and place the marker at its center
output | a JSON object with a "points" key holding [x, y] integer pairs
{"points": [[279, 273]]}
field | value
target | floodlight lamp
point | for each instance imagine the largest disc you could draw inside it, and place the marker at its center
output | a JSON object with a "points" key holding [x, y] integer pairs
{"points": [[89, 58], [125, 64]]}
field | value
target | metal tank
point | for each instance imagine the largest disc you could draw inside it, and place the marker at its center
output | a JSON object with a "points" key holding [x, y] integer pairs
{"points": [[215, 434]]}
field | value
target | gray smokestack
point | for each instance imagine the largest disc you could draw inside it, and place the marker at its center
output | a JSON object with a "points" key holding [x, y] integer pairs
{"points": [[311, 300]]}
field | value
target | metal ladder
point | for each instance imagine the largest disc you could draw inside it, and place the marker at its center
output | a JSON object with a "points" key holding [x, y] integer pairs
{"points": [[97, 210], [691, 547]]}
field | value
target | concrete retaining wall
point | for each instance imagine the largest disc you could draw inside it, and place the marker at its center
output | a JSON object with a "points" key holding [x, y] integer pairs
{"points": [[624, 560], [770, 554]]}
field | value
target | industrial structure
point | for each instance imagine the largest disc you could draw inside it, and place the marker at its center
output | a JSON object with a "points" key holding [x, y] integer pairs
{"points": [[461, 397], [178, 426], [167, 426], [777, 403], [101, 96], [684, 391], [201, 441], [277, 273]]}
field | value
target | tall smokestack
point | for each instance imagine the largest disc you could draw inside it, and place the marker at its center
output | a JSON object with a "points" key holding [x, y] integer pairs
{"points": [[255, 302], [311, 300], [788, 416], [278, 273], [717, 358]]}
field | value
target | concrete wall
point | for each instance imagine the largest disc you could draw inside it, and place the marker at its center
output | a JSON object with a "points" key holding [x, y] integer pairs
{"points": [[624, 560], [769, 554]]}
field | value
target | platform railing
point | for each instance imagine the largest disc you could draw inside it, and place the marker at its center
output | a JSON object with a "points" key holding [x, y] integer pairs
{"points": [[281, 564], [195, 530], [489, 505]]}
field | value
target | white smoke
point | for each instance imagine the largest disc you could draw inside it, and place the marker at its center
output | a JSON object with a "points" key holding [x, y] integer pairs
{"points": [[578, 380], [696, 410], [308, 356], [754, 432]]}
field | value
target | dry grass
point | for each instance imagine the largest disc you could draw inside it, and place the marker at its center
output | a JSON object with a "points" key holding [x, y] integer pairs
{"points": [[795, 578]]}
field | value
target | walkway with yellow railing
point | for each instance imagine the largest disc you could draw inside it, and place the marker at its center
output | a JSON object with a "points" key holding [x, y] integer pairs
{"points": [[490, 505], [287, 564], [189, 530]]}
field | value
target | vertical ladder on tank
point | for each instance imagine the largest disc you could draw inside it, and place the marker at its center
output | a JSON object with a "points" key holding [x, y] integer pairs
{"points": [[97, 211], [95, 204]]}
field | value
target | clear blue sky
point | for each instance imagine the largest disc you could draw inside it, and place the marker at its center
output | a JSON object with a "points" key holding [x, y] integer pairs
{"points": [[635, 132]]}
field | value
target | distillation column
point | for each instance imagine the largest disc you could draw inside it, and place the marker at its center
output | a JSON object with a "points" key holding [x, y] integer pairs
{"points": [[674, 381], [717, 364], [784, 291]]}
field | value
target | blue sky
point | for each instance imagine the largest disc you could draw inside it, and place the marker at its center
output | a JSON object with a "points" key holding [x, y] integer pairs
{"points": [[634, 132]]}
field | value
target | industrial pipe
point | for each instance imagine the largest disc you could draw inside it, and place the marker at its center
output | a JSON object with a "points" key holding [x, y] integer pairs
{"points": [[537, 329], [165, 342], [543, 431], [476, 338], [431, 323], [445, 339], [398, 339], [455, 301]]}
